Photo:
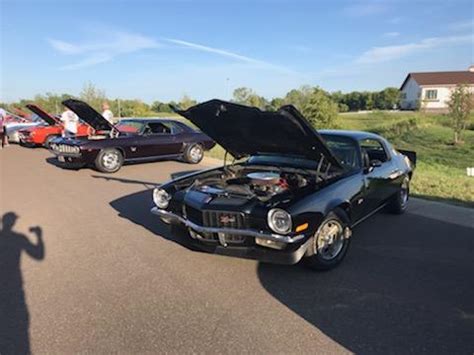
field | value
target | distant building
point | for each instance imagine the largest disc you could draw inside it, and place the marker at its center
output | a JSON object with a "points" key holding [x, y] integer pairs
{"points": [[431, 91]]}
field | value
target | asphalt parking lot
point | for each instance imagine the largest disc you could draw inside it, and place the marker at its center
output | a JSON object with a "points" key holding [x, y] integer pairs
{"points": [[109, 278]]}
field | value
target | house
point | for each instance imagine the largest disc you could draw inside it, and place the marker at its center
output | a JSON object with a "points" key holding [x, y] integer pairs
{"points": [[431, 91]]}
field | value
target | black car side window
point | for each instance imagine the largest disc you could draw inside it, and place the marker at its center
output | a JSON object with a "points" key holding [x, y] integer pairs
{"points": [[157, 128], [372, 149]]}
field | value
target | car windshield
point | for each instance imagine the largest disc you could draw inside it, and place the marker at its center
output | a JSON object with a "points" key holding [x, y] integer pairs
{"points": [[35, 118], [345, 149], [130, 126]]}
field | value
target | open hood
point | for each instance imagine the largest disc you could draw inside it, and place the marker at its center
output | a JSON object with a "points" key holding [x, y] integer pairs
{"points": [[89, 115], [244, 131], [49, 119]]}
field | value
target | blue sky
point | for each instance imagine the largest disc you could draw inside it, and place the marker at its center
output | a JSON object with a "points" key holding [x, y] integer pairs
{"points": [[161, 50]]}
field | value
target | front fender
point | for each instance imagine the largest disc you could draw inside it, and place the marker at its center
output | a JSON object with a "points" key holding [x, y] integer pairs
{"points": [[336, 195]]}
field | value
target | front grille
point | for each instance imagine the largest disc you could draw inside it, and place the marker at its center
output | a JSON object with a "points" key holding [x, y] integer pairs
{"points": [[218, 219], [223, 219]]}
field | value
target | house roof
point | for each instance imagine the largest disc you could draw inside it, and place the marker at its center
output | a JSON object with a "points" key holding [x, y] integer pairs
{"points": [[441, 78]]}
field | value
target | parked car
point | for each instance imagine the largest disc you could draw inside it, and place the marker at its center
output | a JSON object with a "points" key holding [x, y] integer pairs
{"points": [[14, 126], [296, 194], [132, 140], [43, 134]]}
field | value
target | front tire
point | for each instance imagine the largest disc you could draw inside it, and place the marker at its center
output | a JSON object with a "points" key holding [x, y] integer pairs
{"points": [[109, 160], [399, 203], [330, 243], [193, 154]]}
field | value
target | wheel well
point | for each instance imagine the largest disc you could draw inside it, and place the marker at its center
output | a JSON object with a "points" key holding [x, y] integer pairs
{"points": [[346, 207], [121, 150]]}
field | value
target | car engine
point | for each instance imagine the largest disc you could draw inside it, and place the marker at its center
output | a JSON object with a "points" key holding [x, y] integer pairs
{"points": [[252, 183]]}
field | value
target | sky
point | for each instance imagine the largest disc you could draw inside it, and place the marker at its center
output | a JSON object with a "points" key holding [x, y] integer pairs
{"points": [[162, 50]]}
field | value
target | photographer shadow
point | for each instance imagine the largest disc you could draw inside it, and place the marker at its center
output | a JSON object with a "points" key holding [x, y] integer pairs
{"points": [[14, 315]]}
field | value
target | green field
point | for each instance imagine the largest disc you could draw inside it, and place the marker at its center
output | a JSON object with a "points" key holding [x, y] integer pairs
{"points": [[441, 169]]}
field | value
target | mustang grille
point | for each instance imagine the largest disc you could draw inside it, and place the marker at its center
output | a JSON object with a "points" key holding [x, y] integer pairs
{"points": [[64, 148]]}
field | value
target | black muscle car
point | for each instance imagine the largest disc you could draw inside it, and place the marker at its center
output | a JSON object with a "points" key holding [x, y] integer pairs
{"points": [[294, 194], [132, 140]]}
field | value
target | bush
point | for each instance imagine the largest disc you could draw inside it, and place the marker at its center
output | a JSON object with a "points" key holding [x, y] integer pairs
{"points": [[320, 110], [397, 129]]}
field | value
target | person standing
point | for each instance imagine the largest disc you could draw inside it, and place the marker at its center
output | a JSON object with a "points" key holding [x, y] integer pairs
{"points": [[3, 128], [107, 113], [70, 121]]}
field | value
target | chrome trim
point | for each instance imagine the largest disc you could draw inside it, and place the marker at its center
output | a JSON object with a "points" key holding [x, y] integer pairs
{"points": [[368, 215], [245, 232]]}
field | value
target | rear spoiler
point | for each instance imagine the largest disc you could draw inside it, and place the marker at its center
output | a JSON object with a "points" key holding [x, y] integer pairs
{"points": [[410, 155]]}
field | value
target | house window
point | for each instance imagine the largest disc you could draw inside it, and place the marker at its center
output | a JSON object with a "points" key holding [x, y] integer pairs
{"points": [[403, 95], [431, 94]]}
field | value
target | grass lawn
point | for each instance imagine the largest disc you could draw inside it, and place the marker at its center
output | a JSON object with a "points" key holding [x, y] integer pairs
{"points": [[441, 169]]}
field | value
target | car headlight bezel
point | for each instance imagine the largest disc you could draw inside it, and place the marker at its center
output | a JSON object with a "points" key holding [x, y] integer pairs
{"points": [[161, 198], [275, 217]]}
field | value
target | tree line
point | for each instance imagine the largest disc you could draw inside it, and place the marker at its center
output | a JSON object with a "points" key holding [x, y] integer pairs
{"points": [[320, 107], [353, 101]]}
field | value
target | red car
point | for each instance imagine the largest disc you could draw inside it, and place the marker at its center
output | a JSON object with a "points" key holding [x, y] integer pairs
{"points": [[42, 135]]}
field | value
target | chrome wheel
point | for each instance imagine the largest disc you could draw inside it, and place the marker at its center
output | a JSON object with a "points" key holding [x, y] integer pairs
{"points": [[110, 160], [196, 153], [329, 240]]}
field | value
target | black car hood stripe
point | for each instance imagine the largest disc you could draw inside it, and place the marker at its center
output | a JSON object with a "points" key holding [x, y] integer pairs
{"points": [[88, 114], [244, 131], [49, 119]]}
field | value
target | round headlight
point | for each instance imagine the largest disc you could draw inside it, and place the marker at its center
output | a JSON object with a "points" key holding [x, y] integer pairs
{"points": [[161, 198], [279, 221]]}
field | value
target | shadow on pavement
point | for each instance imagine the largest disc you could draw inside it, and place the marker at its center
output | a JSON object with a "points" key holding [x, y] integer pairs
{"points": [[14, 315], [136, 208], [146, 184], [406, 286]]}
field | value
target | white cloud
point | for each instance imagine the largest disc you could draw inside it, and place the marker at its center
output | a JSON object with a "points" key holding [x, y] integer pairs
{"points": [[391, 34], [462, 26], [228, 54], [111, 44], [89, 61], [387, 53], [108, 46]]}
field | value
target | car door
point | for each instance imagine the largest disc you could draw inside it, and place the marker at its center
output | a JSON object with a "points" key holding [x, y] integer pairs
{"points": [[378, 167], [159, 139]]}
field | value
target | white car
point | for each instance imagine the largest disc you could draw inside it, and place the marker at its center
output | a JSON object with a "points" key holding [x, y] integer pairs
{"points": [[13, 129]]}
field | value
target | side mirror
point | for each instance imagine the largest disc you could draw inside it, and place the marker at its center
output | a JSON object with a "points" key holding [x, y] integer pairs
{"points": [[375, 163], [372, 165]]}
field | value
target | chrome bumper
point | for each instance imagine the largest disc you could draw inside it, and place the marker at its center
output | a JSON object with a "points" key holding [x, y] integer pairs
{"points": [[169, 216]]}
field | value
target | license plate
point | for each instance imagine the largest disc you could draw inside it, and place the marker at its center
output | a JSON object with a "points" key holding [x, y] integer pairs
{"points": [[61, 159]]}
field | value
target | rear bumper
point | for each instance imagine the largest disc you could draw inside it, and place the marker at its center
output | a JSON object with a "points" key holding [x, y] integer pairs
{"points": [[248, 251]]}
